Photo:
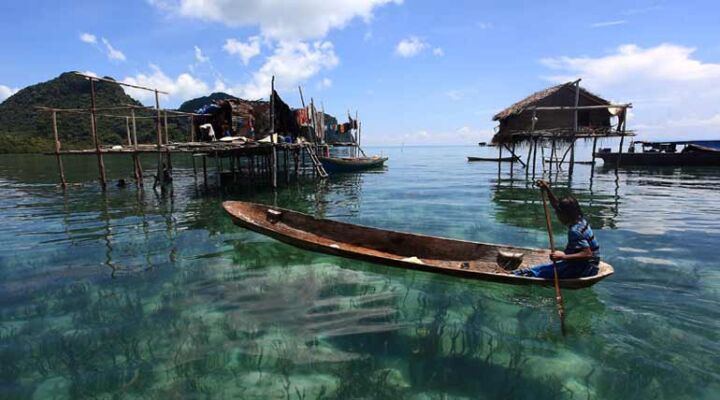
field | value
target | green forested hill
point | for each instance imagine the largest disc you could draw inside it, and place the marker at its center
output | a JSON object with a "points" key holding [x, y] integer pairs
{"points": [[24, 129]]}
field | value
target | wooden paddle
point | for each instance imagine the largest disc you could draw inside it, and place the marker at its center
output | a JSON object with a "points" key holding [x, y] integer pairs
{"points": [[558, 294]]}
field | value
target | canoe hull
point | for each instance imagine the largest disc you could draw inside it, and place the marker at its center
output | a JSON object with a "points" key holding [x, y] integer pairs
{"points": [[321, 234], [495, 159], [351, 164], [686, 159]]}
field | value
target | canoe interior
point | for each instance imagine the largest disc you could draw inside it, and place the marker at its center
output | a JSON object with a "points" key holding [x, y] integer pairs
{"points": [[406, 250]]}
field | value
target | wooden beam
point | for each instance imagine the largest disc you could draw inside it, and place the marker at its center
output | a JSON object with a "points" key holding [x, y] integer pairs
{"points": [[515, 156]]}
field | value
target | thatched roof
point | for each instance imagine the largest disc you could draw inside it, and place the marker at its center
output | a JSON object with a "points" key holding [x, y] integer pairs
{"points": [[534, 98]]}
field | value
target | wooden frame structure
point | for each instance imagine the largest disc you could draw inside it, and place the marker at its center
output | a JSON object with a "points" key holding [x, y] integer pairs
{"points": [[261, 157]]}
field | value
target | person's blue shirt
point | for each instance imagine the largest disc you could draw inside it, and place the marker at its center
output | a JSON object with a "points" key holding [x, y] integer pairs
{"points": [[580, 237]]}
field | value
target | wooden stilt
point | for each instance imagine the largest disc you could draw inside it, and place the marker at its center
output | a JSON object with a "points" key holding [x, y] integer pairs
{"points": [[96, 140], [205, 177], [167, 136], [58, 158], [127, 127], [287, 166], [134, 128], [158, 127], [620, 151], [534, 145], [594, 149], [512, 164], [571, 167]]}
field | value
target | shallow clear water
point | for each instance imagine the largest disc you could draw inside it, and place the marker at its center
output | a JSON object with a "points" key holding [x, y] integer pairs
{"points": [[136, 295]]}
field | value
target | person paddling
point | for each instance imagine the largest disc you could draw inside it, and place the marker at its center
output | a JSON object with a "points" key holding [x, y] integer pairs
{"points": [[582, 253]]}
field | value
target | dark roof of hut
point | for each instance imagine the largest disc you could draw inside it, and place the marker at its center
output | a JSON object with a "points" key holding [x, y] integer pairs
{"points": [[521, 105]]}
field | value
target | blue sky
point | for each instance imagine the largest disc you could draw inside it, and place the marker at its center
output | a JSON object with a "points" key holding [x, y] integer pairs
{"points": [[418, 72]]}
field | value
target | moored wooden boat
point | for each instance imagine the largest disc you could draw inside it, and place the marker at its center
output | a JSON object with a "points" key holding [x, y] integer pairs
{"points": [[349, 164], [398, 249], [495, 159]]}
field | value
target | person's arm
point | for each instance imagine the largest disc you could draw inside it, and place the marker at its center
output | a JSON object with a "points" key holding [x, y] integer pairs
{"points": [[584, 254], [544, 185]]}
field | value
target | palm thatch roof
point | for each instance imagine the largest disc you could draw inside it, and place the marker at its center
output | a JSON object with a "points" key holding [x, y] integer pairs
{"points": [[536, 97]]}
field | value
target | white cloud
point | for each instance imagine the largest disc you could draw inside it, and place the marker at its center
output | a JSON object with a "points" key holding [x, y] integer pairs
{"points": [[246, 51], [438, 52], [324, 83], [182, 88], [292, 63], [288, 20], [608, 23], [199, 56], [113, 53], [88, 38], [667, 84], [410, 47], [6, 92]]}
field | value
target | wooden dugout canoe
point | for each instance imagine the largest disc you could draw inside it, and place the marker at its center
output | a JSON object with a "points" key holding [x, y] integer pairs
{"points": [[493, 159], [404, 250], [350, 164]]}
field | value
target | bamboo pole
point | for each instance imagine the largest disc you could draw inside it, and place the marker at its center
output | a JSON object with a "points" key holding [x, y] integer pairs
{"points": [[61, 170], [558, 293], [93, 128]]}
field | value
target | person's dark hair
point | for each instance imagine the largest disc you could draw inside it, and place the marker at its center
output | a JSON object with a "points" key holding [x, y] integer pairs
{"points": [[568, 206]]}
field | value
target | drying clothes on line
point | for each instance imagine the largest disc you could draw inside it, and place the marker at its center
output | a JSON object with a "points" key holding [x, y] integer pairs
{"points": [[209, 131]]}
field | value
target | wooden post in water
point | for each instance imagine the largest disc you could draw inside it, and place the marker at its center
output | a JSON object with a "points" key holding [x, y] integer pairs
{"points": [[273, 163], [512, 163], [534, 145], [93, 129], [158, 126], [167, 136], [204, 159], [192, 128], [594, 150], [127, 127], [137, 166], [61, 170], [571, 168], [500, 147]]}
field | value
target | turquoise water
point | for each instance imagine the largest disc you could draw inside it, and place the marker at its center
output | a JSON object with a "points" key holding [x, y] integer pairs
{"points": [[137, 295]]}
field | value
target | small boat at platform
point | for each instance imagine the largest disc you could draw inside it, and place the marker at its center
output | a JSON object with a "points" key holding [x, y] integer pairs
{"points": [[351, 164], [494, 159], [465, 259], [698, 153]]}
